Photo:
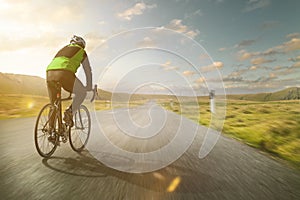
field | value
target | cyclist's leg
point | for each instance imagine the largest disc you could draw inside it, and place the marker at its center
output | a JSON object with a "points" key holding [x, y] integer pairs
{"points": [[52, 93], [80, 94], [72, 84]]}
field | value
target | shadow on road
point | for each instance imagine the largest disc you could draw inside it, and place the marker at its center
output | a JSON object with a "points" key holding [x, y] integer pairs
{"points": [[81, 165], [190, 181]]}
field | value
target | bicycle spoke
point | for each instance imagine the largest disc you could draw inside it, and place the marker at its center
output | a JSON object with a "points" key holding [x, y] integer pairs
{"points": [[80, 132], [43, 145]]}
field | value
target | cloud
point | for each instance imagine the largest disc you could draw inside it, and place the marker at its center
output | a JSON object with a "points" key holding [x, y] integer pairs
{"points": [[38, 12], [274, 78], [281, 71], [198, 13], [188, 73], [49, 40], [200, 80], [200, 83], [93, 40], [260, 60], [252, 5], [204, 56], [278, 67], [178, 26], [237, 73], [292, 45], [295, 59], [253, 67], [222, 49], [212, 67], [102, 22], [243, 55], [272, 75], [264, 79], [137, 9], [167, 66], [34, 23], [147, 42], [296, 65], [244, 43], [293, 35], [218, 64], [233, 79]]}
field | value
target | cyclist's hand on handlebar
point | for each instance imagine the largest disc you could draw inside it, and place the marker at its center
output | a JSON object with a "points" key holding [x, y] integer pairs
{"points": [[95, 92]]}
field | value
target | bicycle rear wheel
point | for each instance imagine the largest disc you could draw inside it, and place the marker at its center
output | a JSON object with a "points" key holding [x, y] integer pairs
{"points": [[44, 146], [80, 132]]}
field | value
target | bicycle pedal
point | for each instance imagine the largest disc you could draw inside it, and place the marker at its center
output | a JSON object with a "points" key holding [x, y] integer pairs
{"points": [[63, 139], [52, 139]]}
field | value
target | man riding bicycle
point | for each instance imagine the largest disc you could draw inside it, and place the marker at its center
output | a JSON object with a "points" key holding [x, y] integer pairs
{"points": [[62, 70]]}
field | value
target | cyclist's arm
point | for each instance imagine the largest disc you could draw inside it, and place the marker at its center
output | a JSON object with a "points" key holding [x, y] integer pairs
{"points": [[88, 73]]}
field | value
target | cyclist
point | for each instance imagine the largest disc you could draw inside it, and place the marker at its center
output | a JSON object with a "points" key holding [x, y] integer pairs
{"points": [[62, 69]]}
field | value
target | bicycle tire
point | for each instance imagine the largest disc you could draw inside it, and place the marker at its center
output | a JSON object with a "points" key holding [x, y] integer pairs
{"points": [[80, 132], [42, 127]]}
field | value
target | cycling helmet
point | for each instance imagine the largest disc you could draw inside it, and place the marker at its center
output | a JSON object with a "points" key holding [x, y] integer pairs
{"points": [[78, 40]]}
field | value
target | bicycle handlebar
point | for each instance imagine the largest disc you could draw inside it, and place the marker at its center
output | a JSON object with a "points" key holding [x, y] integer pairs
{"points": [[95, 93]]}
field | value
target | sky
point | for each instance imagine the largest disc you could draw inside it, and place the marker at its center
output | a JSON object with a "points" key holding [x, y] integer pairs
{"points": [[244, 46]]}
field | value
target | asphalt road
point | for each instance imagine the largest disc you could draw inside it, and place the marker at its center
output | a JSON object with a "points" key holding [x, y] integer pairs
{"points": [[232, 170]]}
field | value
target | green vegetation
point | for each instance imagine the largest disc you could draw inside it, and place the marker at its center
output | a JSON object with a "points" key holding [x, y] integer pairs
{"points": [[273, 126]]}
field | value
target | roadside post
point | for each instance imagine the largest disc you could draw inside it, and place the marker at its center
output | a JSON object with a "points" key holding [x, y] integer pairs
{"points": [[212, 102]]}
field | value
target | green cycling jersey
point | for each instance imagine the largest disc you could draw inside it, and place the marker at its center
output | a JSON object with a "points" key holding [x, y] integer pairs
{"points": [[68, 58]]}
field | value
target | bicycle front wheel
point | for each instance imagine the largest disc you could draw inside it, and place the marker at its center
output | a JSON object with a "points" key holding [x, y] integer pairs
{"points": [[44, 145], [80, 132]]}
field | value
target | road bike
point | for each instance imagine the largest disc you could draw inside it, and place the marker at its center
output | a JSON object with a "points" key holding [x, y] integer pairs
{"points": [[47, 138]]}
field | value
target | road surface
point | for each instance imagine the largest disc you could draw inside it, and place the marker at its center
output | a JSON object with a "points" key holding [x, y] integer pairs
{"points": [[232, 170]]}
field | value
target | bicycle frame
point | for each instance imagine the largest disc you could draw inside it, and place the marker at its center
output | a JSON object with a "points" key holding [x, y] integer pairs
{"points": [[57, 111], [80, 126]]}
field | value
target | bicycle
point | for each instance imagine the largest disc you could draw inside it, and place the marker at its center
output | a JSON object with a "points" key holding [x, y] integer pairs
{"points": [[78, 135]]}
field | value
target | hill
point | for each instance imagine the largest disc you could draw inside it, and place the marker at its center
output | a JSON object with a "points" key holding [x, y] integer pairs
{"points": [[292, 93], [22, 84]]}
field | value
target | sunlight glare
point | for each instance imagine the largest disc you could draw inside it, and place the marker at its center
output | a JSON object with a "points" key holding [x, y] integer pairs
{"points": [[30, 105], [174, 184]]}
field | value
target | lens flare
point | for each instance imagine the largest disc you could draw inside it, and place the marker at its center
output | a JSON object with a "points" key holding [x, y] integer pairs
{"points": [[30, 105], [174, 184]]}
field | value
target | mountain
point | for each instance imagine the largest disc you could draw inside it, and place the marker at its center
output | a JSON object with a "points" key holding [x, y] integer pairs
{"points": [[22, 84], [29, 85], [286, 94]]}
